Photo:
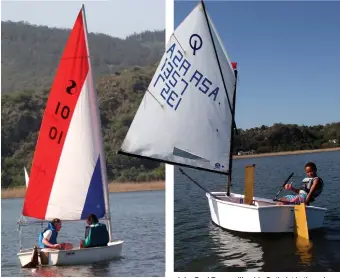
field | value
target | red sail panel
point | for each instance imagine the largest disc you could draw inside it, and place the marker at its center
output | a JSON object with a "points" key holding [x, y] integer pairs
{"points": [[70, 77]]}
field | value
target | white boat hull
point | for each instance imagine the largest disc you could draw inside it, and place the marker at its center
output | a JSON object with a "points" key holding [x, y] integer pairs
{"points": [[76, 256], [264, 217]]}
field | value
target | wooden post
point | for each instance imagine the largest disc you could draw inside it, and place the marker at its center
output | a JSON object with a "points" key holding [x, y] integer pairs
{"points": [[249, 178]]}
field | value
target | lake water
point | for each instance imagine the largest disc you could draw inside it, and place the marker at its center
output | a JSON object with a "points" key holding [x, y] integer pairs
{"points": [[137, 217], [202, 246]]}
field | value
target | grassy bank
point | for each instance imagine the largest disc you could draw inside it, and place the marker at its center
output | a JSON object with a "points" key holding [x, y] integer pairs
{"points": [[19, 192], [285, 153]]}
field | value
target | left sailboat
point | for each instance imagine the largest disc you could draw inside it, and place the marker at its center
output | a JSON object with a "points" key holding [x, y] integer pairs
{"points": [[68, 178]]}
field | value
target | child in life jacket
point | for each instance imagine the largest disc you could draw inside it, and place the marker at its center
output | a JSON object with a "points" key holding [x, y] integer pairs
{"points": [[311, 188]]}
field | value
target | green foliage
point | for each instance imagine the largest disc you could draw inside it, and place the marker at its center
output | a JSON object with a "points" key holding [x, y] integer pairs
{"points": [[287, 137], [119, 97], [30, 54]]}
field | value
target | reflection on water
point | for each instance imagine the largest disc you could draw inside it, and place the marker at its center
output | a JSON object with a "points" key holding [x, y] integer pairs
{"points": [[236, 252], [304, 250], [99, 269], [245, 251]]}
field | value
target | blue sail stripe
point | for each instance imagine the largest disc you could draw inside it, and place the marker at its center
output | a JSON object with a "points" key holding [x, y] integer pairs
{"points": [[94, 202]]}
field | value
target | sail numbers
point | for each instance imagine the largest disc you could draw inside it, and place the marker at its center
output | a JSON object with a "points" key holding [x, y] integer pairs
{"points": [[65, 111], [62, 111], [173, 74], [53, 134]]}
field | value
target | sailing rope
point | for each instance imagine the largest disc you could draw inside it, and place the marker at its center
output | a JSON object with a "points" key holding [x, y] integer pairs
{"points": [[200, 186]]}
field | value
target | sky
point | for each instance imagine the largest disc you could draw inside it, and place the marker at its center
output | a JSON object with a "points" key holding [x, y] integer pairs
{"points": [[288, 56], [118, 18]]}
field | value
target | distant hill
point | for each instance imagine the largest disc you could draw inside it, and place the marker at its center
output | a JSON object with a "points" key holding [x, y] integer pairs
{"points": [[287, 137], [30, 54], [119, 97]]}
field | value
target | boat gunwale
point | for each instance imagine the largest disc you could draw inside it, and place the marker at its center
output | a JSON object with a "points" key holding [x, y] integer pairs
{"points": [[222, 194], [49, 250]]}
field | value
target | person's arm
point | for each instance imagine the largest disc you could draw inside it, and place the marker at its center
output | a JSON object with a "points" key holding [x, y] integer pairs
{"points": [[289, 186], [87, 241], [46, 238], [312, 189]]}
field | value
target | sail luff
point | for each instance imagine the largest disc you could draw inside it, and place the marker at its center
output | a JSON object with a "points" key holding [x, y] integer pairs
{"points": [[99, 137], [232, 138]]}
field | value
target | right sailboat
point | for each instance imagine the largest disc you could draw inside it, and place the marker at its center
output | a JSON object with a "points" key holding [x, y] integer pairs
{"points": [[187, 118]]}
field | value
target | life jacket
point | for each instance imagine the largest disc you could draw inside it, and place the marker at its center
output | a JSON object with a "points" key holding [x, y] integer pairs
{"points": [[53, 238], [307, 185], [98, 234]]}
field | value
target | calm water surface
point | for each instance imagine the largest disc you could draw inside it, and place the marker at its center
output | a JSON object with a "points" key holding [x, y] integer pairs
{"points": [[137, 217], [202, 246]]}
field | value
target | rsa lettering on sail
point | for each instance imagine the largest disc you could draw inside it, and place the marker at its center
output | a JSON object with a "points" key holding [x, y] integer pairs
{"points": [[177, 73], [62, 111]]}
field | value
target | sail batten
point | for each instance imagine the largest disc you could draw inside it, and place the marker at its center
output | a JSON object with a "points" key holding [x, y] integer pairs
{"points": [[171, 162], [184, 117]]}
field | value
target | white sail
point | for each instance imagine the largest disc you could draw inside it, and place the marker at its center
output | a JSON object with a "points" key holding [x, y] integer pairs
{"points": [[185, 116], [26, 177]]}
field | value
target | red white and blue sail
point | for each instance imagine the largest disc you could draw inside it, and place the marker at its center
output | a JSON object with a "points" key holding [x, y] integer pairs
{"points": [[68, 175]]}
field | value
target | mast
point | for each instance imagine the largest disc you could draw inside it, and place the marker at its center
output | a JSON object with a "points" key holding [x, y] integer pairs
{"points": [[232, 108], [102, 155], [218, 62], [232, 133]]}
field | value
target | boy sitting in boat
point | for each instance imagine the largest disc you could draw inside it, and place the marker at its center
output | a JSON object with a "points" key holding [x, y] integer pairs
{"points": [[48, 238], [311, 188], [96, 233]]}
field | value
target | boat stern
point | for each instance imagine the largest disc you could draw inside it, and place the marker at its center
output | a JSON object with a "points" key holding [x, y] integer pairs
{"points": [[264, 216], [230, 213]]}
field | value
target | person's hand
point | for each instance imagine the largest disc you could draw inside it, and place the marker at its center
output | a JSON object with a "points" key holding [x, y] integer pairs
{"points": [[56, 246], [288, 186]]}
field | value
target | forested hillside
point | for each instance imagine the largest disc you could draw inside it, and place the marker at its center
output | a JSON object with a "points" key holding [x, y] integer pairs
{"points": [[30, 54], [119, 98], [284, 137]]}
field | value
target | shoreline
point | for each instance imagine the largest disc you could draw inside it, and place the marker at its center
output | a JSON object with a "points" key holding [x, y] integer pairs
{"points": [[114, 187], [285, 153]]}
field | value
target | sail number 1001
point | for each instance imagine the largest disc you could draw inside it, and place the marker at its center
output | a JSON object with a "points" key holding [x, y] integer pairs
{"points": [[64, 112]]}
